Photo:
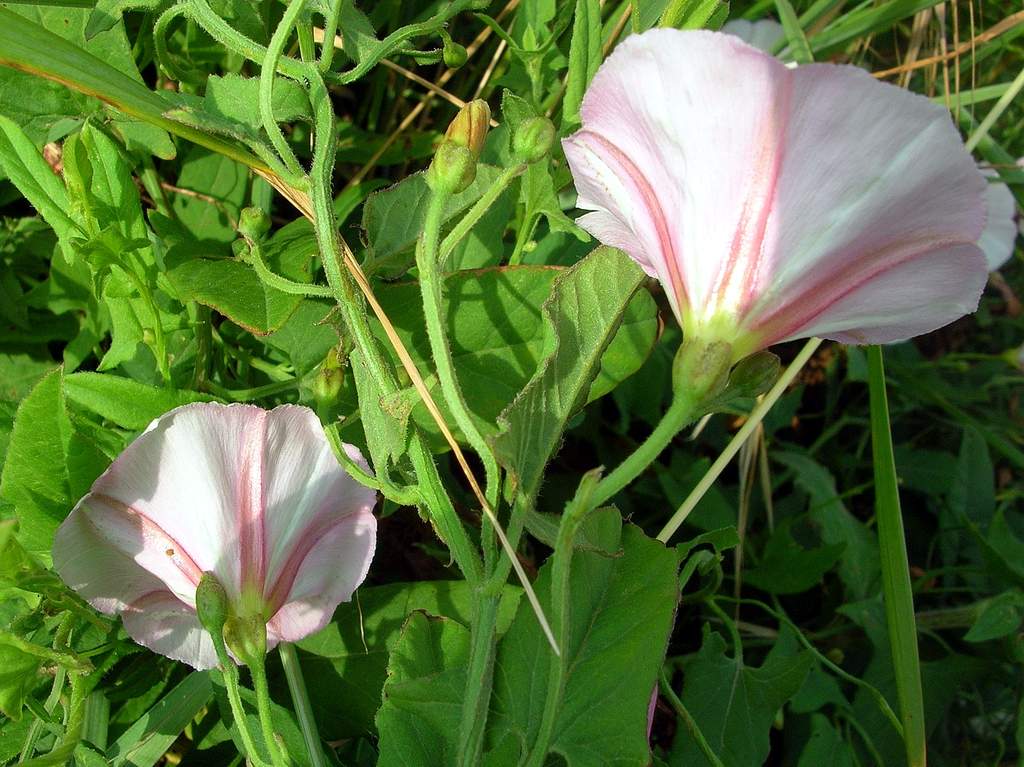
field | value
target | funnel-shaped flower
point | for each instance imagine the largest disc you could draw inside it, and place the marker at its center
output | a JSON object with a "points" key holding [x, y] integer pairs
{"points": [[254, 496], [777, 203]]}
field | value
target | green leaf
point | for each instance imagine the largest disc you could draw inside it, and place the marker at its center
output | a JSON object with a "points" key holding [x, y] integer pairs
{"points": [[222, 185], [146, 742], [419, 717], [621, 613], [798, 46], [582, 314], [393, 218], [734, 704], [695, 14], [49, 465], [1001, 616], [19, 373], [972, 495], [127, 403], [233, 289], [825, 746], [32, 48], [499, 336], [786, 567], [859, 566], [345, 664], [584, 57], [35, 179], [18, 676]]}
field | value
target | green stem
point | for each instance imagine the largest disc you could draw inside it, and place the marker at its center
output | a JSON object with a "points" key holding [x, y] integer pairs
{"points": [[756, 416], [248, 395], [431, 289], [283, 284], [258, 670], [229, 671], [330, 31], [479, 681], [204, 346], [896, 589], [267, 76], [679, 414], [300, 699], [691, 724], [871, 690], [435, 498], [474, 214], [561, 612]]}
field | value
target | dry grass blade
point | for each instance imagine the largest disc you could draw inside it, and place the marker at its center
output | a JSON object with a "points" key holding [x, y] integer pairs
{"points": [[993, 32]]}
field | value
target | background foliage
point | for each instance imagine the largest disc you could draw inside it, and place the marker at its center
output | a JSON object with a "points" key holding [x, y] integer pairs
{"points": [[126, 289]]}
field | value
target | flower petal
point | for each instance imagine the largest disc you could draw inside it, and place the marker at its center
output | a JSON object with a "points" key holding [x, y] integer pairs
{"points": [[320, 528], [764, 195], [676, 151], [328, 574], [1000, 232], [913, 297], [873, 175], [162, 623]]}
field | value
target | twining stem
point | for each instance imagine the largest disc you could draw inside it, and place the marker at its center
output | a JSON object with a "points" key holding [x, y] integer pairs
{"points": [[300, 699], [561, 612], [479, 680], [230, 673], [431, 488], [283, 284], [480, 207], [896, 589], [268, 74], [258, 670], [691, 724], [432, 291], [755, 418], [679, 414]]}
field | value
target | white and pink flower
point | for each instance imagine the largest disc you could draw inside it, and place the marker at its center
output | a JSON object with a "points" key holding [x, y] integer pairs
{"points": [[776, 203], [257, 497]]}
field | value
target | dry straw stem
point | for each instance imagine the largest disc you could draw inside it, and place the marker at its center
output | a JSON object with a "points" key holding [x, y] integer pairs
{"points": [[989, 34]]}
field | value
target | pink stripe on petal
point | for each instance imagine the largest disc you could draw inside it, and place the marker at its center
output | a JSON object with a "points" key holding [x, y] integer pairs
{"points": [[251, 503]]}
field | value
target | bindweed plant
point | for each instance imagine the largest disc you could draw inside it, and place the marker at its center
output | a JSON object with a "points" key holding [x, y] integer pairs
{"points": [[370, 375]]}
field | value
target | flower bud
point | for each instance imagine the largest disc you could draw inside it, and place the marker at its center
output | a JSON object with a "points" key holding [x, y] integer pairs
{"points": [[253, 224], [212, 604], [533, 139], [246, 637], [453, 168], [470, 126], [328, 382], [753, 375], [453, 54]]}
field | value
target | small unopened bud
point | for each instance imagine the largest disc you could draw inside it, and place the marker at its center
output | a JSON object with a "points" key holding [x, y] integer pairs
{"points": [[453, 54], [212, 604], [533, 139], [246, 637], [253, 224], [754, 375], [328, 382], [453, 168], [470, 126]]}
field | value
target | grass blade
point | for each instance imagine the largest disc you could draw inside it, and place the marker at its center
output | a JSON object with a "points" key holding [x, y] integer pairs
{"points": [[899, 600]]}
